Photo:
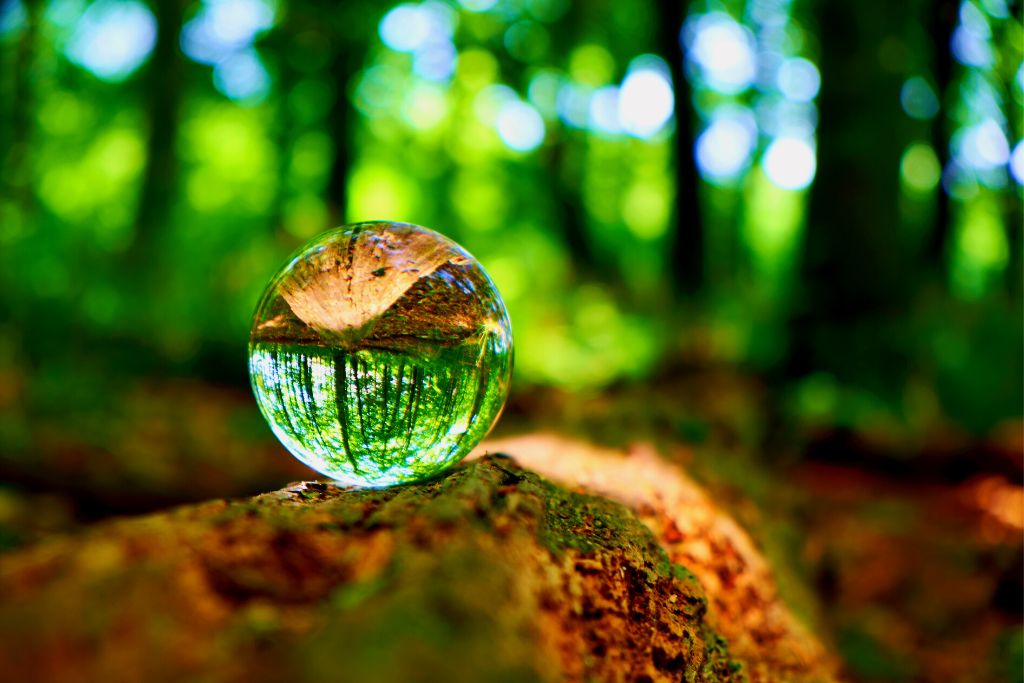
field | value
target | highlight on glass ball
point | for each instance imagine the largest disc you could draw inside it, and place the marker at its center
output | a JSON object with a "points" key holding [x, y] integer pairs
{"points": [[380, 354]]}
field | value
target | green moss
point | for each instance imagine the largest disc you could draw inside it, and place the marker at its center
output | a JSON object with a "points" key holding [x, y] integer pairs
{"points": [[695, 602]]}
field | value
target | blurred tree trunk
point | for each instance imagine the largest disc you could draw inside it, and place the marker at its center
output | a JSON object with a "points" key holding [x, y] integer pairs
{"points": [[1005, 32], [570, 208], [278, 45], [858, 268], [16, 131], [162, 85], [1015, 241], [569, 205], [687, 254], [346, 27], [944, 14], [340, 123]]}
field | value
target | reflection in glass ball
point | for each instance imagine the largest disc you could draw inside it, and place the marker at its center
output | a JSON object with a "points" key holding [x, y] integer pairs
{"points": [[380, 354]]}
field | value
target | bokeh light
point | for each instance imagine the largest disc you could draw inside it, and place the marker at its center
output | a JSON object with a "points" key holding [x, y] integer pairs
{"points": [[574, 104], [919, 99], [784, 118], [919, 168], [543, 92], [646, 101], [405, 28], [113, 38], [604, 110], [411, 27], [436, 61], [798, 79], [242, 76], [520, 126], [1017, 163], [971, 41], [982, 146], [223, 28], [790, 163], [723, 50], [724, 149]]}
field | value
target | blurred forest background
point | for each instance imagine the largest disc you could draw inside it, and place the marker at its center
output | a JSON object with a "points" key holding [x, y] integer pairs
{"points": [[785, 233]]}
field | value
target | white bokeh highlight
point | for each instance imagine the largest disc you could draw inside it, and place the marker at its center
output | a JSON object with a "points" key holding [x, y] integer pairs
{"points": [[113, 39], [724, 50], [790, 163], [724, 149], [646, 100], [520, 126]]}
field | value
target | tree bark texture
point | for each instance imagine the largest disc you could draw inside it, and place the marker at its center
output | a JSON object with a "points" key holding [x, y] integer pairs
{"points": [[489, 573]]}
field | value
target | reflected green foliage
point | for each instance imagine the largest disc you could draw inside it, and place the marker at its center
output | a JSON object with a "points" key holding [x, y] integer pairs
{"points": [[375, 417]]}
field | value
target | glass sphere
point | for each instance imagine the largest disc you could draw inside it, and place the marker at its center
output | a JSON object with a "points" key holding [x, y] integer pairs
{"points": [[380, 354]]}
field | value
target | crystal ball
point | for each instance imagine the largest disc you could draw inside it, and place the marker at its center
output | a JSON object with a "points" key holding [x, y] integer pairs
{"points": [[380, 354]]}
